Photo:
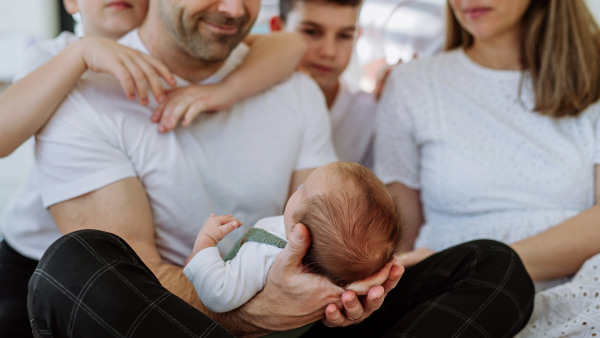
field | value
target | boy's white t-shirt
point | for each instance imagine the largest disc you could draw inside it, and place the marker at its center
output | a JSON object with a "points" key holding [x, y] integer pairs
{"points": [[238, 161], [224, 286], [353, 124]]}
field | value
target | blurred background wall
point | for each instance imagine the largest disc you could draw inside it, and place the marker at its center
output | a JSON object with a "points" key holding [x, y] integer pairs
{"points": [[392, 30]]}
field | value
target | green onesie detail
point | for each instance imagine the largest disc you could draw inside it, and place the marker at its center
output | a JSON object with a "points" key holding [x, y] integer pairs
{"points": [[258, 236], [265, 237]]}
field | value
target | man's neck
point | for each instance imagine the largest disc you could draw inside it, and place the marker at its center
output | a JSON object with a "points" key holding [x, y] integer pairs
{"points": [[179, 62]]}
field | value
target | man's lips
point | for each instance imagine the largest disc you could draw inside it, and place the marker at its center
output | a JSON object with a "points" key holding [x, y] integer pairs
{"points": [[221, 29], [119, 5], [477, 12]]}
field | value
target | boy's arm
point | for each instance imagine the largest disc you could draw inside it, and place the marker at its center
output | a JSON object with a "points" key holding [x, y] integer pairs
{"points": [[272, 58], [28, 104]]}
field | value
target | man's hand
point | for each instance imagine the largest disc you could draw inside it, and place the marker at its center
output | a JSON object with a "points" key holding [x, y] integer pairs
{"points": [[364, 297], [292, 298]]}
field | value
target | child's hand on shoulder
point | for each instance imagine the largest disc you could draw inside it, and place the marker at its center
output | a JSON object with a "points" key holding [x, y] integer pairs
{"points": [[136, 71], [214, 230], [186, 103]]}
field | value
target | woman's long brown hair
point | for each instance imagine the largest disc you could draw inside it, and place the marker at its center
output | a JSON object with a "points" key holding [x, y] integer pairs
{"points": [[560, 47]]}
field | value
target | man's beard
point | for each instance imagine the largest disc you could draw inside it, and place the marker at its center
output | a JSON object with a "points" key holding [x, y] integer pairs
{"points": [[197, 40]]}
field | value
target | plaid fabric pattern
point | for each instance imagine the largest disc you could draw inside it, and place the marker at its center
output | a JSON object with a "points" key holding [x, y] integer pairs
{"points": [[91, 284]]}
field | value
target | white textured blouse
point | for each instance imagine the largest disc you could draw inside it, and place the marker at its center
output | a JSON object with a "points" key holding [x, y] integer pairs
{"points": [[485, 164]]}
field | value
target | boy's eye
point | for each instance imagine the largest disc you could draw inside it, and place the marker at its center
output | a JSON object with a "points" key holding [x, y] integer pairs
{"points": [[346, 36], [311, 32]]}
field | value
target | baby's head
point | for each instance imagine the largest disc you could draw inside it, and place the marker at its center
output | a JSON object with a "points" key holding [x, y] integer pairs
{"points": [[353, 221]]}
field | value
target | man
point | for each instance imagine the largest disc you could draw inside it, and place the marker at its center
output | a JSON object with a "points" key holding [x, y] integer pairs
{"points": [[102, 165], [112, 171], [330, 29]]}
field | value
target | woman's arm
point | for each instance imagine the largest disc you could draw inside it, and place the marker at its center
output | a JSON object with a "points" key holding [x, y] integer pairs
{"points": [[562, 250], [272, 58], [30, 102], [409, 201]]}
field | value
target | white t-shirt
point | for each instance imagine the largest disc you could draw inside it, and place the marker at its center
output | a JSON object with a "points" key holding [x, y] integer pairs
{"points": [[485, 164], [224, 286], [238, 161], [353, 124]]}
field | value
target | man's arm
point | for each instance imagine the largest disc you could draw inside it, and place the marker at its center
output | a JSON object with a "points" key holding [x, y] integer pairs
{"points": [[122, 208]]}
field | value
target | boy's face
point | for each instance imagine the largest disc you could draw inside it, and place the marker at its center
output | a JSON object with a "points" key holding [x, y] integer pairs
{"points": [[109, 18], [330, 31]]}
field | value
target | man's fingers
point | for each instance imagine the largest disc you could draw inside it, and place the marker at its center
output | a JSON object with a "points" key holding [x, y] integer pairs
{"points": [[395, 275], [374, 300], [294, 251], [352, 306], [333, 316], [362, 287]]}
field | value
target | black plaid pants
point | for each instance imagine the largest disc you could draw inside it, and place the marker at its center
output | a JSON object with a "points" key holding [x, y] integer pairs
{"points": [[91, 284]]}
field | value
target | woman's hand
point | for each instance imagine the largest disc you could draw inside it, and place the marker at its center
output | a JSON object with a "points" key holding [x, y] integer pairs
{"points": [[414, 257], [188, 102], [136, 71]]}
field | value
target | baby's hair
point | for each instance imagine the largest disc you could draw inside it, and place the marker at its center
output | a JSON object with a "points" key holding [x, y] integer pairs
{"points": [[355, 231]]}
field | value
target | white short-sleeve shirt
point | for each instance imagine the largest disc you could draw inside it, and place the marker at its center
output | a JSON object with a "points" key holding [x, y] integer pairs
{"points": [[353, 124], [486, 165], [238, 161]]}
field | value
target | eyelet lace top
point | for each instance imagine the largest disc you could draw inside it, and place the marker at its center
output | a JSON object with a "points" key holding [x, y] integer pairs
{"points": [[489, 167]]}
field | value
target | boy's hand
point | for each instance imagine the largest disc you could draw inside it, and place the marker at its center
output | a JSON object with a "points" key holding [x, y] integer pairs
{"points": [[214, 230], [136, 71], [188, 102]]}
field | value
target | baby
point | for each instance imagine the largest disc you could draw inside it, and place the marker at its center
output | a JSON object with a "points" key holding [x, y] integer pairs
{"points": [[354, 226]]}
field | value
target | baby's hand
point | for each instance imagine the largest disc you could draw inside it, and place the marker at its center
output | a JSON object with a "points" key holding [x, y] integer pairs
{"points": [[214, 230], [188, 102]]}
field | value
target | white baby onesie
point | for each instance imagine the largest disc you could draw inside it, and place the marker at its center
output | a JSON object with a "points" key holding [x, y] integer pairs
{"points": [[224, 286]]}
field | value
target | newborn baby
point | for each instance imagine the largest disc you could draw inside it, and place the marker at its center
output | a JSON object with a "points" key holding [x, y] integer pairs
{"points": [[354, 226]]}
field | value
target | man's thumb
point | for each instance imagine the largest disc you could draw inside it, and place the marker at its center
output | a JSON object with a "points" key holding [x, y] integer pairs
{"points": [[296, 248]]}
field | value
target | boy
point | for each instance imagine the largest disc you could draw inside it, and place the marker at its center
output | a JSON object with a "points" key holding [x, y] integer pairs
{"points": [[330, 31]]}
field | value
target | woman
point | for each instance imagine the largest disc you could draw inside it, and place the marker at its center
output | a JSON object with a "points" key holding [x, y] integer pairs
{"points": [[499, 137]]}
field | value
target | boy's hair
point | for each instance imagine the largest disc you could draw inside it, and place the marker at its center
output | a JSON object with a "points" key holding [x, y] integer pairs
{"points": [[353, 234], [286, 6]]}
